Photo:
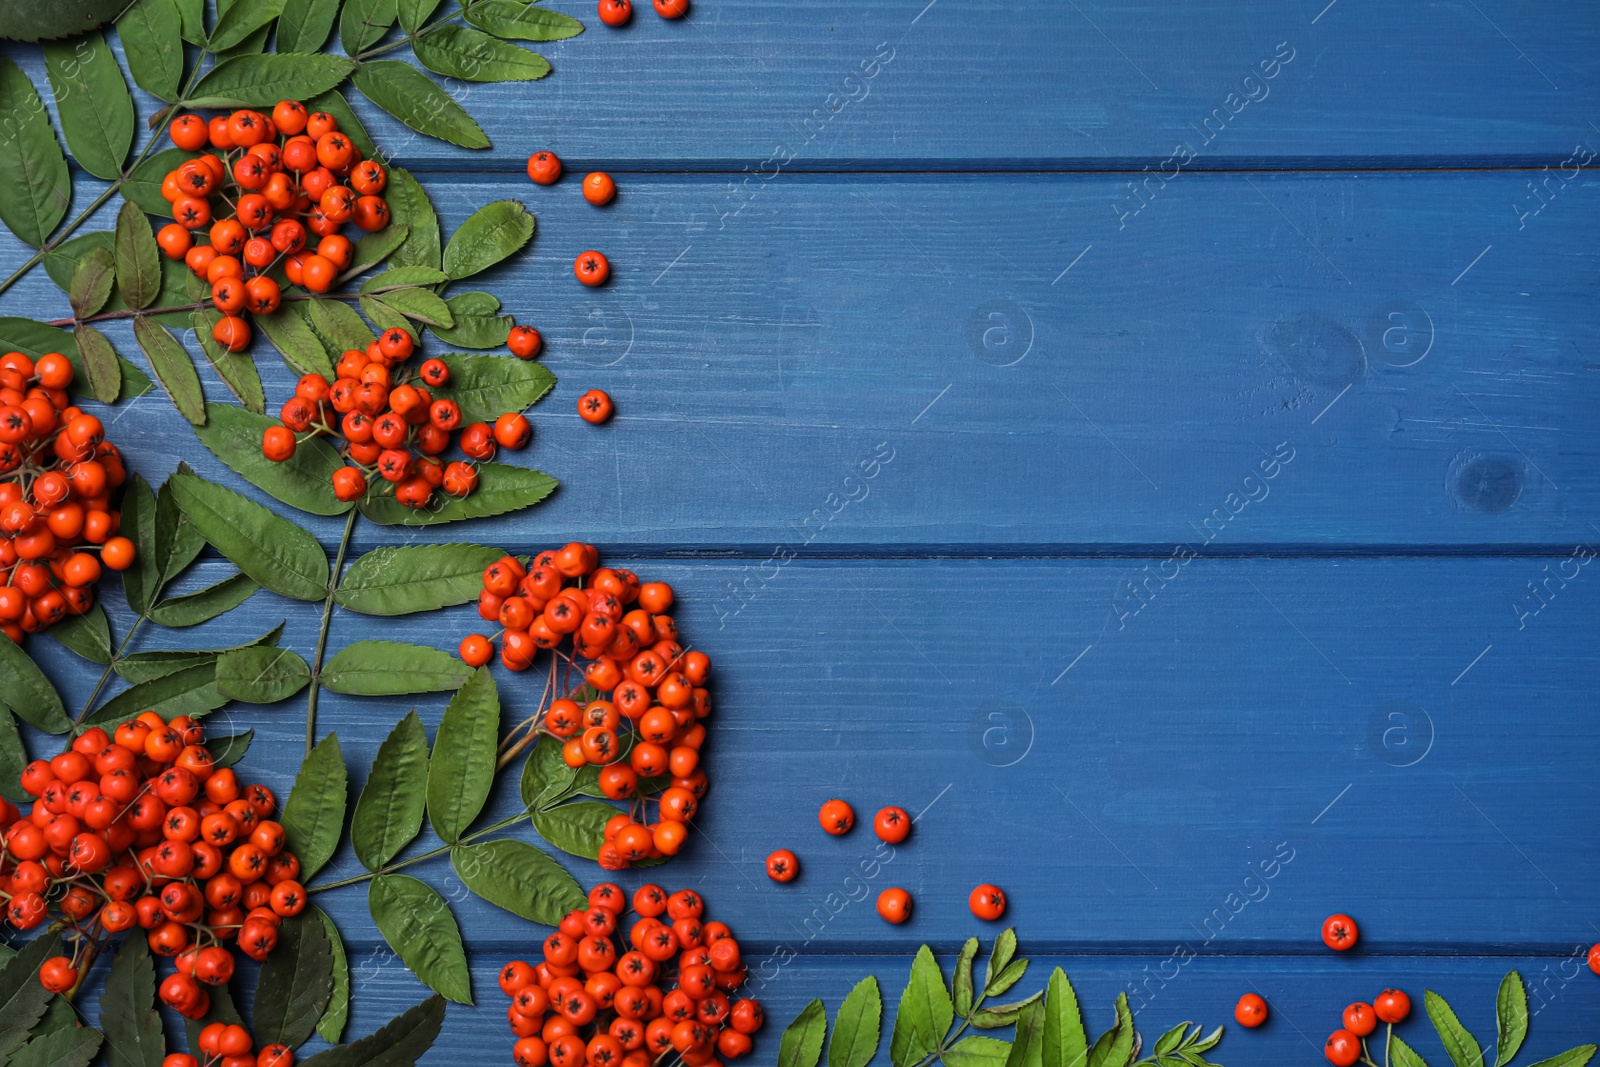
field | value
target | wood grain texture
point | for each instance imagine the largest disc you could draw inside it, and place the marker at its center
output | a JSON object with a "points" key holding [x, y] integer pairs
{"points": [[1046, 377]]}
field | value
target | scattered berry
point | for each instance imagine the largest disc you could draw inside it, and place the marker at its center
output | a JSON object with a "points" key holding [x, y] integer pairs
{"points": [[1251, 1011], [544, 168], [1392, 1006], [988, 902], [591, 268], [894, 905], [1339, 932], [595, 406], [616, 12], [836, 817], [892, 824], [599, 189], [524, 342], [672, 9], [782, 866], [1343, 1048]]}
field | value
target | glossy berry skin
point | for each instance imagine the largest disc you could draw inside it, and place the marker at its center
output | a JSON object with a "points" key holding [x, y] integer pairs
{"points": [[988, 902], [595, 406], [599, 189], [1360, 1019], [672, 9], [524, 342], [616, 12], [836, 817], [1339, 932], [591, 268], [782, 866], [1343, 1048], [544, 168], [1251, 1011], [891, 824], [476, 650], [894, 905], [1391, 1006]]}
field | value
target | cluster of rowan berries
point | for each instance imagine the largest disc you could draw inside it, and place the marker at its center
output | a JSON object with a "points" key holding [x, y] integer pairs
{"points": [[55, 508], [280, 178], [644, 721], [230, 1045], [588, 1003], [1346, 1046], [140, 828], [392, 426]]}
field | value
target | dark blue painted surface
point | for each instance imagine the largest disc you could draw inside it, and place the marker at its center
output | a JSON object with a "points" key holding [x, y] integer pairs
{"points": [[1079, 384]]}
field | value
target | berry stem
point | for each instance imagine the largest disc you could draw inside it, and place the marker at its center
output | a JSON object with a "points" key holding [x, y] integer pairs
{"points": [[322, 635], [105, 675]]}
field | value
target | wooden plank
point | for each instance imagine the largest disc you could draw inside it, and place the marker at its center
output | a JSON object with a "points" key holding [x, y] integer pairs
{"points": [[915, 85], [1417, 363], [1379, 730]]}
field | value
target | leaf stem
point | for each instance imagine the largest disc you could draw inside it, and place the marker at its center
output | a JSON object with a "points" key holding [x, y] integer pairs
{"points": [[105, 675], [421, 31], [322, 635], [428, 855]]}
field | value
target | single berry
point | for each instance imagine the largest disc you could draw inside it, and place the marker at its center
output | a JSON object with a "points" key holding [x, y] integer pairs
{"points": [[836, 817], [524, 342], [1339, 932], [782, 866], [1343, 1048], [1251, 1011], [591, 268], [544, 168], [892, 824], [988, 902], [599, 189], [616, 12], [1360, 1019], [672, 9], [1392, 1006], [894, 905], [595, 406]]}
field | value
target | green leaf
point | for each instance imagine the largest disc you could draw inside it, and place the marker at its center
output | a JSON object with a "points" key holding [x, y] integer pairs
{"points": [[1007, 978], [390, 668], [63, 18], [269, 548], [331, 1025], [388, 813], [383, 316], [173, 369], [192, 13], [91, 287], [924, 1015], [477, 324], [545, 775], [137, 257], [190, 691], [1115, 1047], [313, 816], [1461, 1046], [89, 634], [1005, 947], [295, 341], [423, 305], [33, 168], [1165, 1044], [304, 26], [413, 13], [501, 488], [152, 42], [1064, 1042], [977, 1051], [340, 328], [961, 984], [399, 1044], [262, 675], [1402, 1054], [334, 104], [34, 339], [1573, 1057], [203, 605], [143, 667], [100, 361], [521, 22], [143, 187], [990, 1018], [296, 984], [405, 276], [364, 23], [22, 999], [252, 43], [29, 693], [487, 387], [578, 829], [801, 1044], [856, 1029], [519, 878], [74, 1046], [93, 103], [461, 771], [304, 480], [374, 248], [413, 578], [240, 20], [139, 581], [236, 369], [408, 203], [474, 56], [226, 751], [127, 1009], [1028, 1048], [489, 235], [1511, 1018], [262, 80], [417, 923], [13, 758], [407, 94]]}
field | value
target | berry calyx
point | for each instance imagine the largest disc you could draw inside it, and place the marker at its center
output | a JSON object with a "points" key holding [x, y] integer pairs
{"points": [[1339, 932]]}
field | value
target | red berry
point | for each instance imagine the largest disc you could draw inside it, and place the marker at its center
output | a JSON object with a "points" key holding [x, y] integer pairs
{"points": [[1360, 1019], [672, 9], [598, 188], [1251, 1011], [836, 817], [544, 167], [894, 905], [524, 342], [595, 406], [782, 866], [892, 824], [1339, 932], [616, 12], [1343, 1048], [1392, 1006], [591, 268], [988, 902]]}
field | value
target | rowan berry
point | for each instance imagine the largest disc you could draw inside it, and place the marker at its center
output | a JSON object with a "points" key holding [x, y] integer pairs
{"points": [[599, 189], [544, 168], [988, 902], [1342, 1048], [595, 406], [591, 268], [524, 342], [1339, 932], [672, 9], [1251, 1011], [836, 817], [1360, 1019], [512, 431], [615, 12], [1391, 1006], [894, 905], [782, 866], [892, 824], [57, 974]]}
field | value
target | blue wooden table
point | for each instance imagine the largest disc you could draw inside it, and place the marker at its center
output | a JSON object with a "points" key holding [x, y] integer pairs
{"points": [[1155, 442]]}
